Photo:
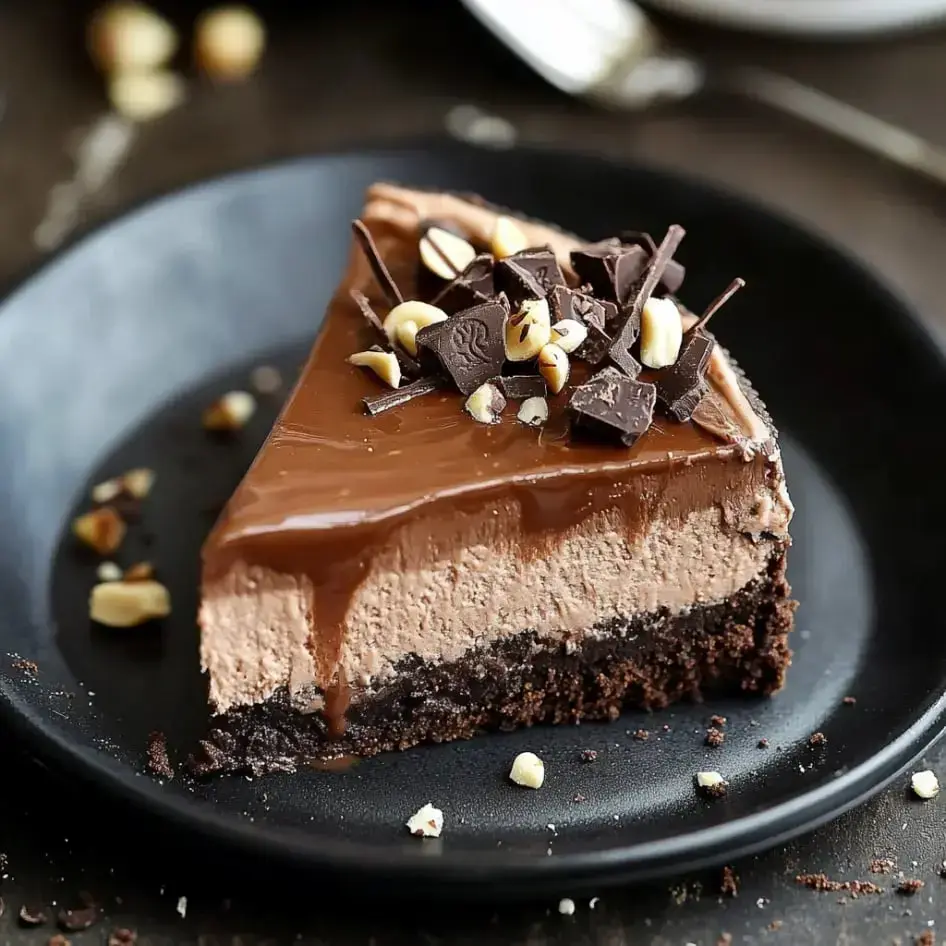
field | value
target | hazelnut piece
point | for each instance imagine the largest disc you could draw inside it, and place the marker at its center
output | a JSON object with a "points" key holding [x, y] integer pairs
{"points": [[420, 313], [130, 37], [554, 367], [101, 529], [507, 238], [485, 404], [127, 604], [533, 412], [661, 333], [528, 770], [444, 253], [143, 96], [569, 334], [427, 822], [229, 42], [231, 412], [528, 331], [383, 363]]}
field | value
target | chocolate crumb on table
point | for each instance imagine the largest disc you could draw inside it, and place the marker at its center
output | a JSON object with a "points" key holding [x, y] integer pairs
{"points": [[588, 755], [642, 735], [763, 743], [718, 721], [881, 865], [823, 884], [729, 886], [714, 738], [909, 886], [817, 739], [158, 761]]}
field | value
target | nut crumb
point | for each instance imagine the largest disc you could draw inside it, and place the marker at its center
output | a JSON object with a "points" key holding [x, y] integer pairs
{"points": [[714, 738], [849, 700], [925, 784], [908, 887], [444, 253], [28, 667], [229, 43], [140, 571], [102, 530], [588, 755], [533, 412], [426, 822], [231, 412], [108, 571], [128, 604], [763, 743], [485, 404], [729, 885], [528, 770], [775, 925], [881, 865], [711, 784], [642, 735], [507, 238], [566, 906], [718, 721], [817, 739]]}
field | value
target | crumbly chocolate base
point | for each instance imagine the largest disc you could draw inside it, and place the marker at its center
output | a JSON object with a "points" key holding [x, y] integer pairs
{"points": [[646, 661]]}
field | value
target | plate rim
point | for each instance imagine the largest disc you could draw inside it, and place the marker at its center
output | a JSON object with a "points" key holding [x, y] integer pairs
{"points": [[574, 871]]}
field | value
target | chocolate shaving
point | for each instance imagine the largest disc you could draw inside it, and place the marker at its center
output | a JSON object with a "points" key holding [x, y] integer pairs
{"points": [[613, 404], [470, 347], [530, 274], [680, 387], [717, 304], [620, 351], [674, 274], [381, 273], [471, 287], [379, 403], [370, 316], [518, 387]]}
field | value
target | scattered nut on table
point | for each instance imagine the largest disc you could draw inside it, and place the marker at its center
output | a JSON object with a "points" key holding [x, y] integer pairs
{"points": [[232, 412], [533, 412], [127, 604], [569, 334], [135, 483], [528, 770], [485, 404], [140, 571], [427, 822], [229, 42], [925, 784], [661, 333], [528, 331], [130, 37], [383, 363], [420, 313], [143, 96], [444, 253], [507, 238], [108, 571], [102, 529], [711, 783], [554, 367], [566, 906]]}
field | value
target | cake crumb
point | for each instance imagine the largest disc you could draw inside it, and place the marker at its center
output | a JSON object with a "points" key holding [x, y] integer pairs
{"points": [[763, 743], [158, 761], [588, 755], [817, 739], [926, 938], [924, 784], [426, 822], [718, 721], [714, 738], [908, 887], [881, 865], [642, 735], [566, 906], [849, 700], [729, 886], [29, 667], [774, 926], [823, 884]]}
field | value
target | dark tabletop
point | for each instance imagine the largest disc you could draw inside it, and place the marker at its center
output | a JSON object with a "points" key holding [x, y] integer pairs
{"points": [[361, 72]]}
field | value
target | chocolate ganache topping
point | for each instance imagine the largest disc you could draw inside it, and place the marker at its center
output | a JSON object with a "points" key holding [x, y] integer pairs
{"points": [[502, 323]]}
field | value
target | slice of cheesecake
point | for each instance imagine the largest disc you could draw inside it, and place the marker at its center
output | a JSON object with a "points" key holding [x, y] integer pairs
{"points": [[517, 482]]}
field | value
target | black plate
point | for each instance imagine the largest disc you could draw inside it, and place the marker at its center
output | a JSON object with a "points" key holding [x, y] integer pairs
{"points": [[109, 353]]}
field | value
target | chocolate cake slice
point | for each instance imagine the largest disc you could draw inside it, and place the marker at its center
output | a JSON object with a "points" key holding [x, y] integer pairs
{"points": [[517, 482]]}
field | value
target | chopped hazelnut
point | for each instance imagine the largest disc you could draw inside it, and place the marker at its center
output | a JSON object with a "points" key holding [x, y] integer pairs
{"points": [[444, 253], [130, 37], [528, 331], [231, 412], [229, 42], [383, 363], [925, 784], [553, 366], [507, 238], [127, 604], [528, 770], [108, 571], [711, 783], [136, 483], [406, 335], [485, 404], [566, 906], [569, 334], [143, 96], [101, 529], [427, 822], [661, 333], [533, 412], [420, 313], [140, 571]]}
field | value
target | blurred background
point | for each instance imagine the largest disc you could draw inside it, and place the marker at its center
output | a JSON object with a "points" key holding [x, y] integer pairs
{"points": [[331, 76]]}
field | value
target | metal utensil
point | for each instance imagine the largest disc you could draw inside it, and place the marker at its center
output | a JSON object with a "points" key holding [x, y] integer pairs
{"points": [[609, 52]]}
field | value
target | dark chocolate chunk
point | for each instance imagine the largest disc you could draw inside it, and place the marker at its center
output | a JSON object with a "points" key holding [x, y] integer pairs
{"points": [[595, 347], [473, 286], [612, 270], [74, 921], [531, 274], [681, 386], [469, 346], [620, 351], [378, 267], [31, 916], [518, 387], [369, 314], [379, 403], [566, 303], [674, 274], [614, 405]]}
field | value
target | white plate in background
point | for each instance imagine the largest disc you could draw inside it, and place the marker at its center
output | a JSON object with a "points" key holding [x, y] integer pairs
{"points": [[811, 17]]}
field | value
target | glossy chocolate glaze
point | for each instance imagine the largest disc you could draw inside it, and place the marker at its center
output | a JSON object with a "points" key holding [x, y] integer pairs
{"points": [[332, 484]]}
